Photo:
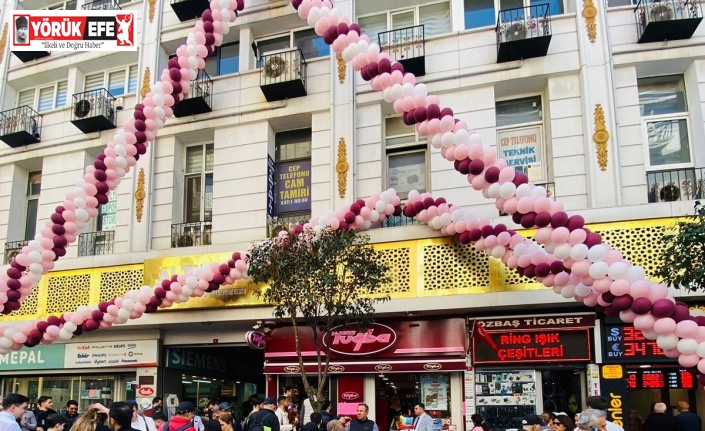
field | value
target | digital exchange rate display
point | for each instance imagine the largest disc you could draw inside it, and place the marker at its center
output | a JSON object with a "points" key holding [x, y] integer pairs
{"points": [[660, 379], [624, 344]]}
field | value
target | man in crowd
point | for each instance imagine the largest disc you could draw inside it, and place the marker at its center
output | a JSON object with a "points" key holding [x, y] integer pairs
{"points": [[532, 422], [13, 407], [265, 419], [45, 407], [119, 416], [326, 415], [283, 413], [362, 422], [689, 421], [182, 420], [422, 421], [314, 422], [601, 404], [159, 419], [71, 414], [659, 420]]}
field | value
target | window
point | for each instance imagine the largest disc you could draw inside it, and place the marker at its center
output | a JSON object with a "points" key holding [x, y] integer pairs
{"points": [[292, 175], [199, 184], [406, 158], [520, 136], [67, 5], [107, 219], [224, 60], [665, 117], [34, 187], [310, 44], [44, 98], [434, 17], [482, 13], [615, 3], [117, 82]]}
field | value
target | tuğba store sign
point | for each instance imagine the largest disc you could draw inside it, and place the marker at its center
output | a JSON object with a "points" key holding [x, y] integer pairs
{"points": [[350, 340], [532, 339]]}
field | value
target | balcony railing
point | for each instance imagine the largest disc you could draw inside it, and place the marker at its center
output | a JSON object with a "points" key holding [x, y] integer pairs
{"points": [[93, 111], [199, 99], [20, 126], [283, 75], [190, 234], [12, 249], [660, 20], [102, 5], [96, 243], [523, 32], [407, 46], [286, 222], [400, 220], [676, 185]]}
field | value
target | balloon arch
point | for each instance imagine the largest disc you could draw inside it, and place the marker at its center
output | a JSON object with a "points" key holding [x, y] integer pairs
{"points": [[564, 255]]}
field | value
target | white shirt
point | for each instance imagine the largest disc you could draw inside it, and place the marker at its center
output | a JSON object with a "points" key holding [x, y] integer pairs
{"points": [[144, 423], [283, 417], [8, 422], [612, 427], [306, 411]]}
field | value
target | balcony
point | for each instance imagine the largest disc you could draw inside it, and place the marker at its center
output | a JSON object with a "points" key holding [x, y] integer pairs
{"points": [[27, 56], [283, 75], [190, 234], [407, 46], [676, 185], [20, 126], [101, 5], [285, 222], [189, 9], [12, 249], [93, 111], [199, 100], [400, 220], [96, 243], [661, 20], [523, 33]]}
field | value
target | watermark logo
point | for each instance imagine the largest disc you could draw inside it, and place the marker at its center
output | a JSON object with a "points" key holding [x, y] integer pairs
{"points": [[60, 30]]}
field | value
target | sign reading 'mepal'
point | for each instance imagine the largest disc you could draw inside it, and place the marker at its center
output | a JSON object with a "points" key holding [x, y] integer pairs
{"points": [[42, 357], [59, 30]]}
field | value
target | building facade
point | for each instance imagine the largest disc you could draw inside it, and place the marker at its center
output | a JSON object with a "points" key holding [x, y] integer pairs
{"points": [[602, 103]]}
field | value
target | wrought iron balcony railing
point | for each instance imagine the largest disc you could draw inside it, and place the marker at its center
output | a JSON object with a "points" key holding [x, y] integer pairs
{"points": [[190, 234], [286, 222], [676, 185], [102, 5], [12, 249], [93, 103], [403, 43], [667, 19], [523, 23], [199, 99], [20, 126], [282, 66], [96, 243]]}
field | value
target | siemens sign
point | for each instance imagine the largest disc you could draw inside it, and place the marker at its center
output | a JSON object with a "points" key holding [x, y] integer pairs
{"points": [[191, 360]]}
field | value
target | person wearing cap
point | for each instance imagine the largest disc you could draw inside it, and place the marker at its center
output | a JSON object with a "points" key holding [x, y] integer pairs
{"points": [[532, 422], [21, 25], [265, 419], [226, 407], [183, 419]]}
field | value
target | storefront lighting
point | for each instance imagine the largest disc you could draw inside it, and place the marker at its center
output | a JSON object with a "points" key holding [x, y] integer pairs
{"points": [[202, 381], [185, 382], [644, 366]]}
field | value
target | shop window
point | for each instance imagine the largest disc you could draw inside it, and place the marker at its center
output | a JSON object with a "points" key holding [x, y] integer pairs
{"points": [[401, 392], [34, 187], [434, 17], [520, 136], [482, 13], [406, 158], [292, 200], [664, 115], [198, 199]]}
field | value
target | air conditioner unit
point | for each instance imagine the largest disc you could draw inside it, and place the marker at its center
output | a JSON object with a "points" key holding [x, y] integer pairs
{"points": [[82, 108], [514, 32], [119, 103], [275, 66], [661, 12]]}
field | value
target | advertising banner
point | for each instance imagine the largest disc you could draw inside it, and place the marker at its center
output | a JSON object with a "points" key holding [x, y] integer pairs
{"points": [[434, 391], [138, 353], [293, 186], [523, 150], [41, 357], [613, 386]]}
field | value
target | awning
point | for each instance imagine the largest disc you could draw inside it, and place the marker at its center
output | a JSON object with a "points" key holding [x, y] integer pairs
{"points": [[430, 364]]}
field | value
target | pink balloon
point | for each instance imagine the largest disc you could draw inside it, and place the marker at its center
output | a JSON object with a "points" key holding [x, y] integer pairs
{"points": [[577, 236], [620, 287], [658, 291], [627, 316], [686, 328], [640, 289], [665, 326], [689, 361], [644, 322]]}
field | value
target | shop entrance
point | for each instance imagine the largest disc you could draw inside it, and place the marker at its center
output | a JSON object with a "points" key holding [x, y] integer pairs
{"points": [[667, 385], [398, 393], [227, 373], [562, 391]]}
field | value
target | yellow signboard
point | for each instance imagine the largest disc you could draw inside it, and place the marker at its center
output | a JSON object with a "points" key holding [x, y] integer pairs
{"points": [[238, 294], [612, 372]]}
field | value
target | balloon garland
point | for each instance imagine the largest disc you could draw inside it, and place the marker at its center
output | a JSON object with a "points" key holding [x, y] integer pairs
{"points": [[565, 255]]}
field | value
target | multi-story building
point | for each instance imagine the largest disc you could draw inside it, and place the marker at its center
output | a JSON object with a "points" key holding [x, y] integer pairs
{"points": [[602, 103]]}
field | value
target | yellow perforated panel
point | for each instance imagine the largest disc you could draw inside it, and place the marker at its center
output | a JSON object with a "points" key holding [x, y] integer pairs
{"points": [[30, 304], [67, 292], [640, 245], [117, 283], [398, 261], [453, 266]]}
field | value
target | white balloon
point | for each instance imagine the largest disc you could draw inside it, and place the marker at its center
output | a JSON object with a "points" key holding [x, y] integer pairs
{"points": [[447, 139], [578, 251], [636, 273], [123, 314], [64, 334], [225, 4], [667, 341], [538, 192], [523, 191], [226, 15], [582, 290], [618, 270], [407, 90], [35, 257], [701, 350], [421, 89], [507, 190], [396, 92], [387, 94], [597, 253], [687, 346], [568, 291], [436, 141], [493, 190], [498, 251], [598, 270], [461, 137], [191, 49]]}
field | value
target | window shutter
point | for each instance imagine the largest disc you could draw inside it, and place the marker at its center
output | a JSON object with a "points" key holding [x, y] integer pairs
{"points": [[94, 82], [132, 80], [46, 99], [26, 98], [61, 94], [435, 19], [116, 83]]}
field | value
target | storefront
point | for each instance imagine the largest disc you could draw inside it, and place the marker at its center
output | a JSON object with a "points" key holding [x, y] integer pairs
{"points": [[100, 372], [636, 371], [527, 364], [389, 365]]}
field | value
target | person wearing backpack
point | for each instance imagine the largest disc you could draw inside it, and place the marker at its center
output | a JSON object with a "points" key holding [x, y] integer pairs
{"points": [[183, 419], [265, 419]]}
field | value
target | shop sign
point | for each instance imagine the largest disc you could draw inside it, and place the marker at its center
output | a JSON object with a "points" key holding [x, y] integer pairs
{"points": [[350, 340], [350, 396], [550, 345], [523, 150], [292, 369], [612, 372], [615, 390], [41, 357], [256, 340], [190, 360], [138, 353], [660, 379], [538, 322], [293, 186], [336, 368], [432, 366], [146, 391], [383, 367], [623, 343]]}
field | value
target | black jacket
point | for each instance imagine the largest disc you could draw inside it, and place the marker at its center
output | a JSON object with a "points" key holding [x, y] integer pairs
{"points": [[661, 422], [325, 418], [267, 417]]}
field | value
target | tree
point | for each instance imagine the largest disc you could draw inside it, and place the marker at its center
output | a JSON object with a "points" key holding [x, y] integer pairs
{"points": [[683, 259], [319, 280]]}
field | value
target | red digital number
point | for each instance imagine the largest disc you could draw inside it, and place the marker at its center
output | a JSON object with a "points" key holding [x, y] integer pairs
{"points": [[686, 380]]}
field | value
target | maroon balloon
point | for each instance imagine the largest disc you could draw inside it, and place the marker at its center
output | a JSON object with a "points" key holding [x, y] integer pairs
{"points": [[492, 174], [14, 273], [446, 111], [92, 325], [156, 301], [543, 219], [557, 267], [364, 74], [429, 202], [530, 271], [141, 148], [622, 303], [207, 15], [516, 217], [641, 305], [528, 220], [60, 241], [13, 283], [355, 27], [175, 74], [420, 114], [102, 198], [409, 211], [177, 89], [520, 178], [610, 311], [501, 227], [680, 313], [344, 29], [99, 165], [57, 218], [240, 5], [35, 333], [102, 187], [103, 306], [397, 211], [543, 269], [463, 166], [139, 115], [13, 295], [97, 315], [58, 229], [433, 111], [575, 222], [59, 251], [53, 321], [487, 230], [344, 225], [349, 217], [384, 64], [464, 238], [474, 234], [397, 66], [662, 308], [700, 320], [593, 239], [418, 206], [477, 166], [159, 292], [218, 279], [16, 264], [559, 219], [140, 125], [355, 208]]}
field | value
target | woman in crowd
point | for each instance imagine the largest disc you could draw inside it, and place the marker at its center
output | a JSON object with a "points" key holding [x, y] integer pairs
{"points": [[562, 423], [478, 423], [91, 420]]}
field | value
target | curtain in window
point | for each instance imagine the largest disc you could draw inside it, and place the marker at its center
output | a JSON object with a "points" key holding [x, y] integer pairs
{"points": [[46, 99], [26, 98], [116, 83], [193, 199], [94, 82], [435, 19], [132, 80], [275, 44], [373, 25], [62, 94]]}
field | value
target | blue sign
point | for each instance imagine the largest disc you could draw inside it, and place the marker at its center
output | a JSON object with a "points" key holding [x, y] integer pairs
{"points": [[270, 186], [293, 186]]}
